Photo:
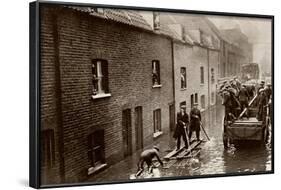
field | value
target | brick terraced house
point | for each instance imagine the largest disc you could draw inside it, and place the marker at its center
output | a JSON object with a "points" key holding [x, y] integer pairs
{"points": [[106, 89], [112, 81]]}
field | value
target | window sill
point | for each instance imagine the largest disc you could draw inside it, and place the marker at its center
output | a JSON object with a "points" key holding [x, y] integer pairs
{"points": [[95, 169], [183, 89], [157, 134], [201, 84], [157, 86], [97, 96]]}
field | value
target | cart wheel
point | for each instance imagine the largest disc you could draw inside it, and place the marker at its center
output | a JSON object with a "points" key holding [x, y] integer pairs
{"points": [[224, 135]]}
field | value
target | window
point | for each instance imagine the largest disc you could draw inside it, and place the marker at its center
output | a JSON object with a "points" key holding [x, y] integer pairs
{"points": [[100, 77], [96, 148], [196, 97], [191, 100], [156, 20], [203, 102], [213, 97], [212, 75], [202, 75], [183, 77], [155, 73], [183, 104], [48, 148], [157, 120]]}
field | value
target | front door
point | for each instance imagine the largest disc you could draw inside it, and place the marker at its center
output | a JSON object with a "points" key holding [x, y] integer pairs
{"points": [[127, 132], [139, 127], [172, 116]]}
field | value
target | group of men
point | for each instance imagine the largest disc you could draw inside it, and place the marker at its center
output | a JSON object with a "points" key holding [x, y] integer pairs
{"points": [[184, 129], [236, 98], [185, 126]]}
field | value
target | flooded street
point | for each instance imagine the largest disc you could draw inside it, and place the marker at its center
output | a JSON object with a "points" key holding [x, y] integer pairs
{"points": [[214, 159], [211, 159]]}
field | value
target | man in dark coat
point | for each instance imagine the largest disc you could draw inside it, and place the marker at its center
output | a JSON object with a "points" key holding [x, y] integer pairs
{"points": [[244, 99], [182, 123], [261, 86], [262, 103], [147, 156], [195, 121], [227, 102]]}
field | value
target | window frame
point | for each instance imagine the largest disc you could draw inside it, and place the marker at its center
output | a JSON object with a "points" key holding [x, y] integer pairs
{"points": [[156, 71], [183, 84], [100, 82], [196, 98], [94, 146]]}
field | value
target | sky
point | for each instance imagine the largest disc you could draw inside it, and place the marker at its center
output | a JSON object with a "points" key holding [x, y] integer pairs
{"points": [[258, 32]]}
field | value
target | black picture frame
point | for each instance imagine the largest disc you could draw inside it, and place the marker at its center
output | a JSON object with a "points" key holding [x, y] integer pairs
{"points": [[35, 93]]}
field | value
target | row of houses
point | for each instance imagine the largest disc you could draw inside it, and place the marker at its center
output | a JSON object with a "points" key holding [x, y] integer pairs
{"points": [[112, 81]]}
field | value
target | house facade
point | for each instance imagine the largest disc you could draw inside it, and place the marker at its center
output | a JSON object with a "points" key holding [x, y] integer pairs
{"points": [[106, 89], [196, 61]]}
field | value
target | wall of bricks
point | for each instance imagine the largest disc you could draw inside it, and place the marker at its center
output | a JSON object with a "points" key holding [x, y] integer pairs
{"points": [[49, 175], [129, 52]]}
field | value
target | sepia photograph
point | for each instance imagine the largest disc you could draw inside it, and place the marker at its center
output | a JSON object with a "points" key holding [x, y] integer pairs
{"points": [[131, 94]]}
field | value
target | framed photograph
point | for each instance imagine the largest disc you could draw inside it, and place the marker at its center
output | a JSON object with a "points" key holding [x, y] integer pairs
{"points": [[131, 94]]}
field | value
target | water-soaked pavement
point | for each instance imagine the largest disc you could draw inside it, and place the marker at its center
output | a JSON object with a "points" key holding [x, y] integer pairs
{"points": [[212, 159]]}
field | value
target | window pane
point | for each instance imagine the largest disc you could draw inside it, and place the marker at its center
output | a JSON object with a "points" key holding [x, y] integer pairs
{"points": [[183, 77], [100, 77], [155, 73], [96, 147]]}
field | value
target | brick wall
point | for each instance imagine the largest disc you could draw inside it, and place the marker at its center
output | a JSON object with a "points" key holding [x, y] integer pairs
{"points": [[129, 52], [48, 97]]}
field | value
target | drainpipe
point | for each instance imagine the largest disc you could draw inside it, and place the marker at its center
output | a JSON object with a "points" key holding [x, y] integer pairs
{"points": [[173, 76]]}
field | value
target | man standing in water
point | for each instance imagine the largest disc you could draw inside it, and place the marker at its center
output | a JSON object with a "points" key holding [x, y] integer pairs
{"points": [[182, 123], [195, 121]]}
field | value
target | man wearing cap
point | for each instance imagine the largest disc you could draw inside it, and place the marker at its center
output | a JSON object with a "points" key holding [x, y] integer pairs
{"points": [[147, 156], [195, 121], [261, 86], [243, 99], [182, 123]]}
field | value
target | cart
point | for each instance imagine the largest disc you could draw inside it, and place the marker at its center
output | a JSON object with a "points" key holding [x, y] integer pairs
{"points": [[246, 129]]}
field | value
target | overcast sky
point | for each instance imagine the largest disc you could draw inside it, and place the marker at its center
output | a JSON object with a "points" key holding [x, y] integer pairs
{"points": [[258, 32]]}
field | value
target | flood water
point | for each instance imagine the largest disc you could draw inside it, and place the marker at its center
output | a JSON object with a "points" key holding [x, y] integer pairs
{"points": [[214, 159], [211, 159]]}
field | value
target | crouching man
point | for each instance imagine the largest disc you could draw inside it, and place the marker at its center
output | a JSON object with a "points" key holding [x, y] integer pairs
{"points": [[147, 156]]}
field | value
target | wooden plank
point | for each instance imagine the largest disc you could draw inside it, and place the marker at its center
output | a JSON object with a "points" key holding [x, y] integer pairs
{"points": [[187, 151], [173, 153]]}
